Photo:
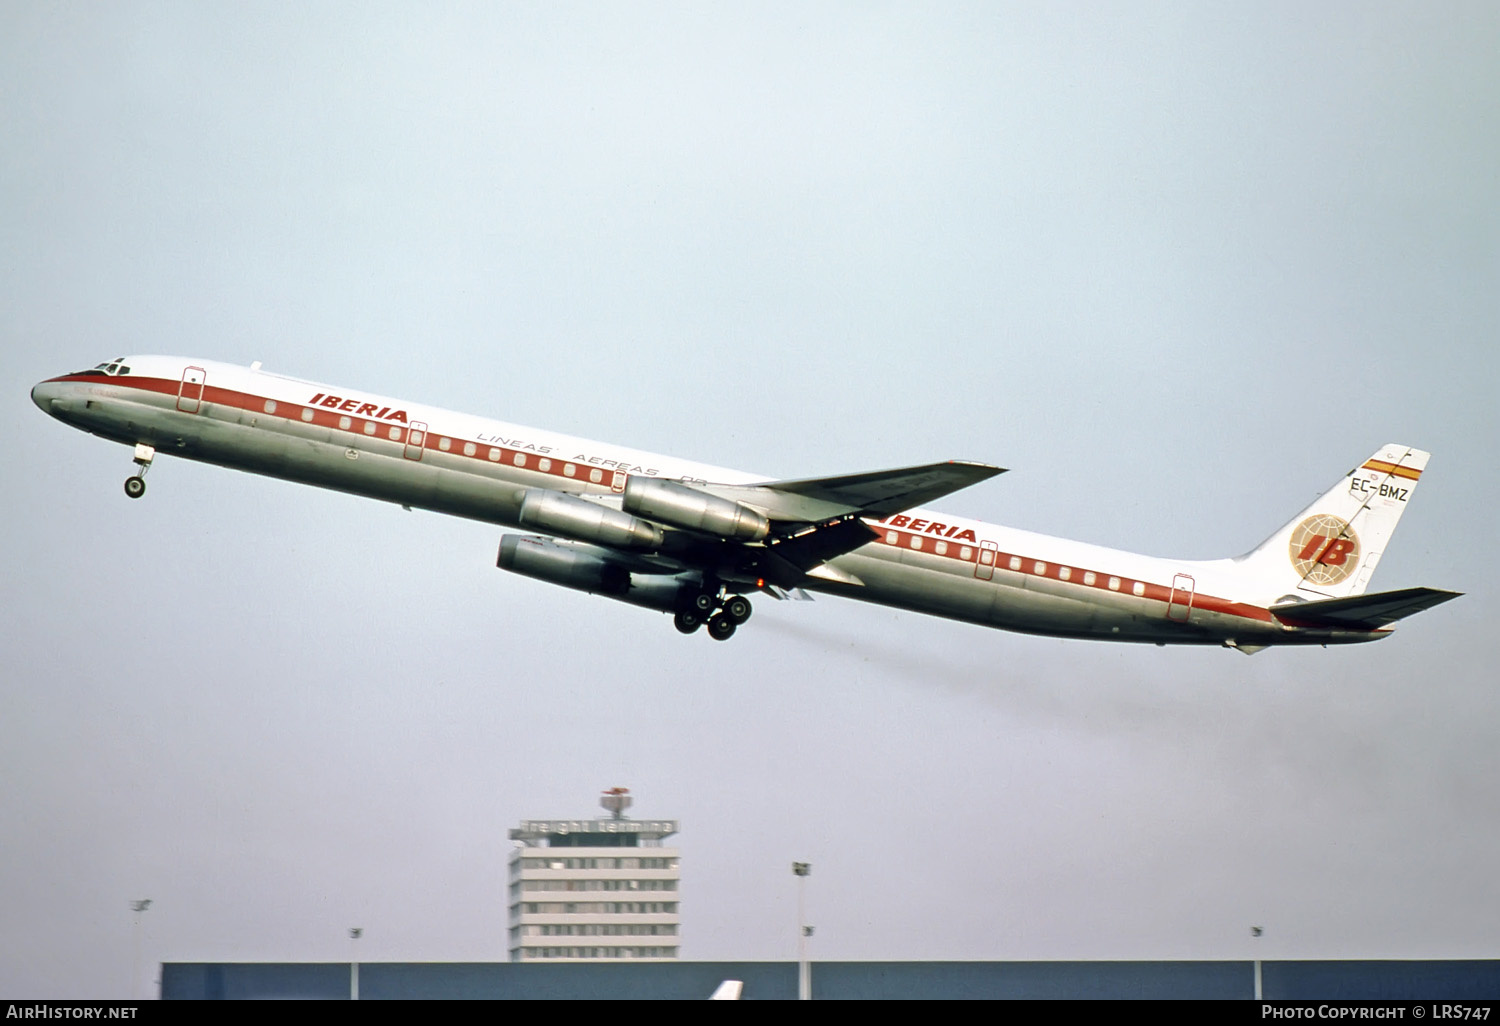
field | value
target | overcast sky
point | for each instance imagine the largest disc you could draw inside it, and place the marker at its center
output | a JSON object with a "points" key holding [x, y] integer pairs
{"points": [[1178, 266]]}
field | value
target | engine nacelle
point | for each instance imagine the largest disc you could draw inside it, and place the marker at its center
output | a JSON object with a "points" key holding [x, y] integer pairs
{"points": [[572, 517], [574, 567], [681, 506]]}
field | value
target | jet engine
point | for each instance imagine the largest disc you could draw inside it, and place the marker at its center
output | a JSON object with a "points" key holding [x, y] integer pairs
{"points": [[572, 517], [669, 502], [574, 566]]}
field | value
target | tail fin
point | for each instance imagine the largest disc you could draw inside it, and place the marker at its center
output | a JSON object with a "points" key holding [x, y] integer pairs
{"points": [[1330, 549]]}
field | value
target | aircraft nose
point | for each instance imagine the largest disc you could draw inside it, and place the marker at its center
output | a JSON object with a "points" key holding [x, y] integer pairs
{"points": [[44, 393]]}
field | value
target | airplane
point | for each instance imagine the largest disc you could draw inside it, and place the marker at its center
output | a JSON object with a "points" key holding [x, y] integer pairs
{"points": [[695, 541]]}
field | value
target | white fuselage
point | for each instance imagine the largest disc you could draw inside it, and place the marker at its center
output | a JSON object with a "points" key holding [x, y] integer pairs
{"points": [[469, 466]]}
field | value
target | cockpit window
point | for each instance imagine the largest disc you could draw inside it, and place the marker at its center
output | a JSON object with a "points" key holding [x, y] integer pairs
{"points": [[115, 366]]}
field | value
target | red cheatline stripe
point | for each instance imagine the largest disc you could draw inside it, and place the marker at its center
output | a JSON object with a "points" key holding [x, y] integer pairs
{"points": [[969, 553], [583, 472], [1392, 468], [571, 470]]}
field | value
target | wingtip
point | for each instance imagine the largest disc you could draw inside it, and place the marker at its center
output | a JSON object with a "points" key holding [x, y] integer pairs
{"points": [[979, 465]]}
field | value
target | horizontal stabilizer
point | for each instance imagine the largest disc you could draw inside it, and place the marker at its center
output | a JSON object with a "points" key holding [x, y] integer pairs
{"points": [[1362, 612], [877, 493]]}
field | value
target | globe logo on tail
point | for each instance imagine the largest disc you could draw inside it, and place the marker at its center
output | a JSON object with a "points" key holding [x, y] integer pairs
{"points": [[1324, 549]]}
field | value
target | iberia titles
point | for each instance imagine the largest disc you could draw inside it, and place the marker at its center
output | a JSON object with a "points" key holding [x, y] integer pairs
{"points": [[357, 408], [955, 531]]}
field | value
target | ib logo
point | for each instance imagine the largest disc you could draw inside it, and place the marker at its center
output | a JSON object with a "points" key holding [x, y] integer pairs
{"points": [[1324, 550]]}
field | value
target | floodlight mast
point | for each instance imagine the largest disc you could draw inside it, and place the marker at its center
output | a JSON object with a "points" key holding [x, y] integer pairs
{"points": [[138, 906], [355, 933], [1256, 931], [804, 969]]}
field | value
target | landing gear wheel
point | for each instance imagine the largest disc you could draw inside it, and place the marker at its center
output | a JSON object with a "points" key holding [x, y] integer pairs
{"points": [[737, 608], [721, 627], [687, 621], [703, 603], [135, 486]]}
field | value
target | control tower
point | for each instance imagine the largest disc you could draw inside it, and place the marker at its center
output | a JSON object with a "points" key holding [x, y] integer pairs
{"points": [[594, 890]]}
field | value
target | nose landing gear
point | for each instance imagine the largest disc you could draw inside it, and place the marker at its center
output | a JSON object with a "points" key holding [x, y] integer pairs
{"points": [[135, 485]]}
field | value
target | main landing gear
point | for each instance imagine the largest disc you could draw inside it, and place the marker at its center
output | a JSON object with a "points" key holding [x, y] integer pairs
{"points": [[135, 485], [722, 613]]}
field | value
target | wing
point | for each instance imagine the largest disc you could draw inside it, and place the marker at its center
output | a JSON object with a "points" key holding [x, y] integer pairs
{"points": [[1362, 612], [776, 533], [876, 494], [818, 518]]}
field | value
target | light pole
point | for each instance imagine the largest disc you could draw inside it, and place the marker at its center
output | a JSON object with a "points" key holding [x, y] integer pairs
{"points": [[355, 933], [804, 970], [138, 907], [1256, 931]]}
